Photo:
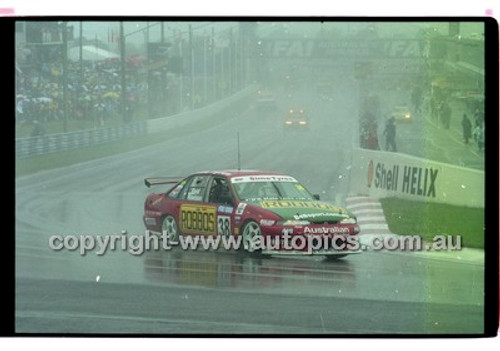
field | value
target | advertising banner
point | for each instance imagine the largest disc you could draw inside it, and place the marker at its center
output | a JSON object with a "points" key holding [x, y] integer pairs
{"points": [[387, 174]]}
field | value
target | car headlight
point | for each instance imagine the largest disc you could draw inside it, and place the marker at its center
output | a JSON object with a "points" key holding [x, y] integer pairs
{"points": [[302, 123], [293, 222], [288, 123], [349, 220]]}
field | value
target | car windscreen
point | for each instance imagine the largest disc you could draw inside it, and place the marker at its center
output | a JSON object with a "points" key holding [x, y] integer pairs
{"points": [[251, 191]]}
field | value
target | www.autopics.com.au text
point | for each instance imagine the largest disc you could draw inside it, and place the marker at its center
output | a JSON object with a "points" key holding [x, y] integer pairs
{"points": [[138, 244]]}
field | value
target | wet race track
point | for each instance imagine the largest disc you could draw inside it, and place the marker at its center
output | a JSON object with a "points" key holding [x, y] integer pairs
{"points": [[223, 292]]}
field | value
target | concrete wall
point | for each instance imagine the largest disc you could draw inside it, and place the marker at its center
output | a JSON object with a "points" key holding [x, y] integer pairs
{"points": [[169, 122]]}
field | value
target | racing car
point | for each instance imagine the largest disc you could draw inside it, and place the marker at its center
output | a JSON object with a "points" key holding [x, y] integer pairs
{"points": [[254, 205], [401, 114], [296, 118]]}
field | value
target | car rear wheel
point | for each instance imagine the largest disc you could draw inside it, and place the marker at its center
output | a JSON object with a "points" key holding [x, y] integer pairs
{"points": [[169, 226], [251, 233]]}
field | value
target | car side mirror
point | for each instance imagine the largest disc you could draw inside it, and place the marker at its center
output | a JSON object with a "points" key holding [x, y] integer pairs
{"points": [[316, 196]]}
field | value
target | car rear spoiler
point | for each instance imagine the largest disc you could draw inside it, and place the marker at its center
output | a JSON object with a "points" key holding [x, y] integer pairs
{"points": [[152, 181]]}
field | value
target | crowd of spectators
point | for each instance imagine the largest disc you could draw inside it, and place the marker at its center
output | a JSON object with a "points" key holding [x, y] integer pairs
{"points": [[93, 92]]}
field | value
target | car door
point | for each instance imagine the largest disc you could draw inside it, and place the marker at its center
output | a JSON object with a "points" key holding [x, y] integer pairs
{"points": [[220, 195], [196, 215]]}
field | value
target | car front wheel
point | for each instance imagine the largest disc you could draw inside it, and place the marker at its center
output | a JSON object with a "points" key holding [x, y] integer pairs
{"points": [[251, 236]]}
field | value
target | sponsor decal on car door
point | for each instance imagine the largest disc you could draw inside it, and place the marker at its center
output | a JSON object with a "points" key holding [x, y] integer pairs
{"points": [[197, 219]]}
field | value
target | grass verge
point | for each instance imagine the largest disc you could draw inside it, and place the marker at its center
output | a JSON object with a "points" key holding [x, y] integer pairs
{"points": [[428, 219]]}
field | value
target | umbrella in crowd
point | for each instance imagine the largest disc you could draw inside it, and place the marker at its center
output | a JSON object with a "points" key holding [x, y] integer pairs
{"points": [[111, 94]]}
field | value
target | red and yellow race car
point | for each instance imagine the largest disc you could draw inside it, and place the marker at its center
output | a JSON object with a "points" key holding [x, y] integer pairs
{"points": [[271, 213]]}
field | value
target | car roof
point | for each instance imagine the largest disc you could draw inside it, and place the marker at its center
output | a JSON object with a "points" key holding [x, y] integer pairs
{"points": [[230, 173]]}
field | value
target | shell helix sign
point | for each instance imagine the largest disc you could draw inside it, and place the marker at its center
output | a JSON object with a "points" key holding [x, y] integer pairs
{"points": [[389, 174], [420, 181]]}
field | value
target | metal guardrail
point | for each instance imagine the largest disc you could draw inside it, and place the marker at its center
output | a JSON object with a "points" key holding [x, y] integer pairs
{"points": [[46, 144]]}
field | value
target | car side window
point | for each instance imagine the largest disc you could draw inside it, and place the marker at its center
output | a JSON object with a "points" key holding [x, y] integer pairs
{"points": [[176, 191], [196, 188], [220, 192], [183, 192]]}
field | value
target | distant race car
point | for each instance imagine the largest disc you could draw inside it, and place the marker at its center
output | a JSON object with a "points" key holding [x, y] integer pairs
{"points": [[401, 114], [252, 204], [296, 118]]}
